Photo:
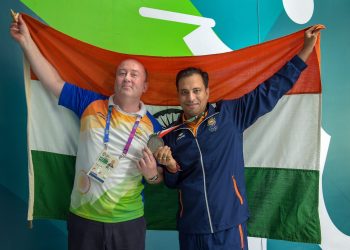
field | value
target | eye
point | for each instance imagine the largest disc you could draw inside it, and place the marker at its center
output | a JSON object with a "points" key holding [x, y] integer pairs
{"points": [[184, 92], [196, 91], [121, 73]]}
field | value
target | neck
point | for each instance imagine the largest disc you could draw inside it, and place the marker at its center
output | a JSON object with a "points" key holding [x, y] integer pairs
{"points": [[129, 106], [193, 118]]}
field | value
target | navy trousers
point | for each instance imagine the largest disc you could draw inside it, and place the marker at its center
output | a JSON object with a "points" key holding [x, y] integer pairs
{"points": [[234, 238], [84, 234]]}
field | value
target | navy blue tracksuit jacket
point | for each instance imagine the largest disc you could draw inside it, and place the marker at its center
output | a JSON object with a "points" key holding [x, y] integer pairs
{"points": [[212, 192]]}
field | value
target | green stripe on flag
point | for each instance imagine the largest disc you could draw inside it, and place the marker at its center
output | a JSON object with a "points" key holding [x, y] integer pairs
{"points": [[161, 205], [54, 176], [273, 207], [283, 202]]}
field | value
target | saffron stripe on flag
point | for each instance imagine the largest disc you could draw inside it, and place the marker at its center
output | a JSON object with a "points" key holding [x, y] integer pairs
{"points": [[232, 74]]}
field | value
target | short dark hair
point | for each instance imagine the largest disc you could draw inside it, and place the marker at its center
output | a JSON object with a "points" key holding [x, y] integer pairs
{"points": [[191, 71]]}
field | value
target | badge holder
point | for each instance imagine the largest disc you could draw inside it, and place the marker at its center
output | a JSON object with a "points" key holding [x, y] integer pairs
{"points": [[102, 167]]}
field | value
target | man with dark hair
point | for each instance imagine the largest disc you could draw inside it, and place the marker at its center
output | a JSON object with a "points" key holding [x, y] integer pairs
{"points": [[191, 71], [203, 158]]}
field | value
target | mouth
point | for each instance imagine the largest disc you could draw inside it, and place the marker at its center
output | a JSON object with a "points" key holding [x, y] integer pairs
{"points": [[126, 87], [192, 105]]}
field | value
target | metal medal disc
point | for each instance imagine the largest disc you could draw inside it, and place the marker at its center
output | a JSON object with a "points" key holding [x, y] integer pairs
{"points": [[154, 142]]}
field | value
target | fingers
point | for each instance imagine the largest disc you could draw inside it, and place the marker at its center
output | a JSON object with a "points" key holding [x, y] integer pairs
{"points": [[319, 27], [146, 156], [147, 152], [315, 29], [138, 164], [164, 155], [148, 159], [18, 27], [22, 22], [147, 164], [14, 24], [15, 31]]}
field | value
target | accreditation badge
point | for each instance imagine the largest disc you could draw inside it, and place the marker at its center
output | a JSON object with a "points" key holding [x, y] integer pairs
{"points": [[103, 167]]}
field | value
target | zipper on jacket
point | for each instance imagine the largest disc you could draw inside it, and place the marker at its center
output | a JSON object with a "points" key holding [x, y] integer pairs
{"points": [[203, 171], [204, 187], [237, 190]]}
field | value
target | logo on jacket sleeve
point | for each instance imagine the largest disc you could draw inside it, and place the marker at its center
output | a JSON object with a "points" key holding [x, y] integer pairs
{"points": [[212, 124]]}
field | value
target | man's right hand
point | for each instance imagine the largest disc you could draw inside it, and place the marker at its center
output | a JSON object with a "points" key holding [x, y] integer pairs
{"points": [[164, 156], [19, 31], [42, 68]]}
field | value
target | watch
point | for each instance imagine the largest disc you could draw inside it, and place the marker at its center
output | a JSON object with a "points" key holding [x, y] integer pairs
{"points": [[154, 178]]}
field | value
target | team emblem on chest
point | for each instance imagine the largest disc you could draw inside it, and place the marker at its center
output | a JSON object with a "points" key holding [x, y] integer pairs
{"points": [[212, 124]]}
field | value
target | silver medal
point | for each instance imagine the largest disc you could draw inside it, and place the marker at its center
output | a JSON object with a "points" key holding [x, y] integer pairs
{"points": [[155, 142]]}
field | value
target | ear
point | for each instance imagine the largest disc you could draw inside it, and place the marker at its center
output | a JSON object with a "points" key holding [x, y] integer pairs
{"points": [[145, 87], [207, 91]]}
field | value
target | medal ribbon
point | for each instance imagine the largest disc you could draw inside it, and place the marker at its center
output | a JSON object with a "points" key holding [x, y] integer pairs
{"points": [[131, 136], [162, 133]]}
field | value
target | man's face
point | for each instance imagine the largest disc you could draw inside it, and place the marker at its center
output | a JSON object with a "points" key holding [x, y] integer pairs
{"points": [[130, 79], [193, 95]]}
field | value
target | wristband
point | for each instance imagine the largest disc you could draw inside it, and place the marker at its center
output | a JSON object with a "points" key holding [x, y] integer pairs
{"points": [[176, 170]]}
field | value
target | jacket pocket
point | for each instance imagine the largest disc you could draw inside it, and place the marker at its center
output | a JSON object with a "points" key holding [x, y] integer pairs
{"points": [[235, 187]]}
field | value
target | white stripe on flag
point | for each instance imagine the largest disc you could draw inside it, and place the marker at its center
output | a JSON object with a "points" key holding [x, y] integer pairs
{"points": [[288, 136], [56, 128]]}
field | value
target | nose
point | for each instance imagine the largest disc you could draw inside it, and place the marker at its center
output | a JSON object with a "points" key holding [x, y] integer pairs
{"points": [[127, 76], [191, 96]]}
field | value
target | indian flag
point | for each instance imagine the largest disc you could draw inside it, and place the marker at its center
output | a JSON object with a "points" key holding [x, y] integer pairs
{"points": [[282, 149]]}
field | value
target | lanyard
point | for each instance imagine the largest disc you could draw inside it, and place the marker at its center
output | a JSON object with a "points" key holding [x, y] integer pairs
{"points": [[131, 136]]}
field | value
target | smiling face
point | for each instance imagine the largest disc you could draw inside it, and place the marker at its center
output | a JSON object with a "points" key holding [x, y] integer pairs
{"points": [[130, 81], [193, 95]]}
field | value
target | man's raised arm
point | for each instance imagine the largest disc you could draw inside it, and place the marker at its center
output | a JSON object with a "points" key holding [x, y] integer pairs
{"points": [[43, 69]]}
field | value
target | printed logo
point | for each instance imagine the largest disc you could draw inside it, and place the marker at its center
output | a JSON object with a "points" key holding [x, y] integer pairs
{"points": [[212, 124], [180, 136]]}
